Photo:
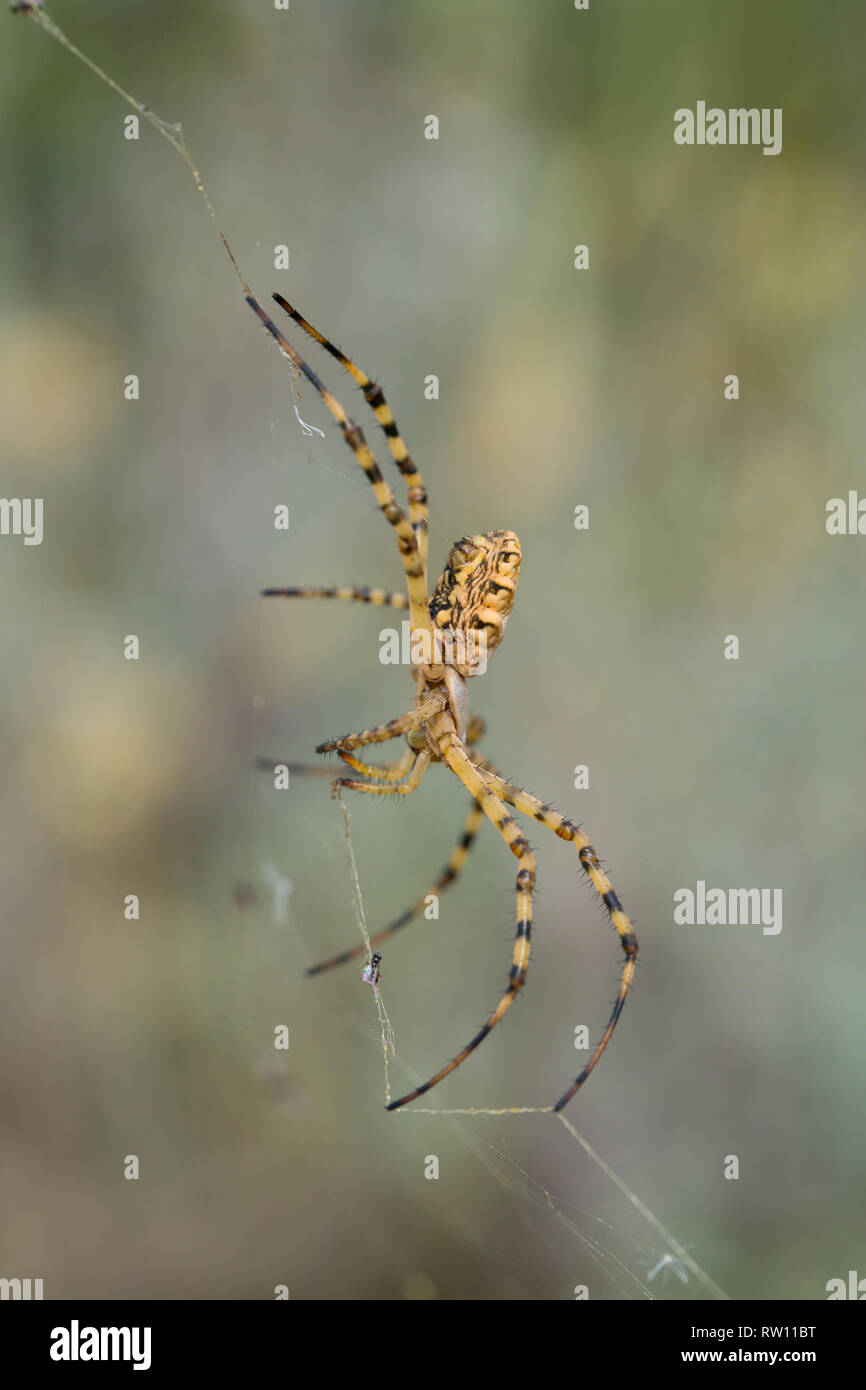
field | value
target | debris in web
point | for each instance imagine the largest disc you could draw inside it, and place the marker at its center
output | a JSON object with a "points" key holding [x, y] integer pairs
{"points": [[389, 1042], [678, 1251], [308, 429], [669, 1264]]}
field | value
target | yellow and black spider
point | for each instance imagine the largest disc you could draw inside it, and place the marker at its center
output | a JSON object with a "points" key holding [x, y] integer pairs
{"points": [[452, 634]]}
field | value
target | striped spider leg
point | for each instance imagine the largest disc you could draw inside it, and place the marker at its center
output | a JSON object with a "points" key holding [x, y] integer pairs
{"points": [[375, 398], [589, 862], [377, 597], [407, 534], [457, 628], [449, 873]]}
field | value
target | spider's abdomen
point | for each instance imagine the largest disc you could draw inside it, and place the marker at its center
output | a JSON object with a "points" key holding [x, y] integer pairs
{"points": [[475, 592]]}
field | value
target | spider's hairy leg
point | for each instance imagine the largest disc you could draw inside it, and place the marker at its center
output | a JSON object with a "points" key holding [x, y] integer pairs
{"points": [[456, 861], [394, 514], [393, 729], [387, 772], [382, 772], [454, 754], [475, 730], [405, 788], [380, 598], [392, 772], [566, 830], [375, 398]]}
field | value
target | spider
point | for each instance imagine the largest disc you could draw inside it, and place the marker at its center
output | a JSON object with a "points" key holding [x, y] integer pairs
{"points": [[452, 633]]}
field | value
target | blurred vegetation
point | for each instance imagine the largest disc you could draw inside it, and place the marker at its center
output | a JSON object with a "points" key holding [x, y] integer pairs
{"points": [[558, 387]]}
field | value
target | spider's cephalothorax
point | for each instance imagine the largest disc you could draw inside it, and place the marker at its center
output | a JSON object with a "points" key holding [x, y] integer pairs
{"points": [[455, 631]]}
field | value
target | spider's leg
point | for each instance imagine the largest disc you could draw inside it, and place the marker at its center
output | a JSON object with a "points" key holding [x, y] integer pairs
{"points": [[375, 398], [475, 730], [566, 830], [383, 772], [394, 514], [379, 597], [456, 860], [405, 788], [389, 772], [383, 732], [461, 765]]}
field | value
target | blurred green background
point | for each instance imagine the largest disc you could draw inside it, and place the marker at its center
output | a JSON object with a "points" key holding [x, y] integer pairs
{"points": [[558, 387]]}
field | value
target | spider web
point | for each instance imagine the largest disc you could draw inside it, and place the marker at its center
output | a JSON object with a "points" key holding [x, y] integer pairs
{"points": [[665, 1251], [507, 1170]]}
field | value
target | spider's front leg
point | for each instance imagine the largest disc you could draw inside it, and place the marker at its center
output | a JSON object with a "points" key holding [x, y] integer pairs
{"points": [[589, 862], [454, 754]]}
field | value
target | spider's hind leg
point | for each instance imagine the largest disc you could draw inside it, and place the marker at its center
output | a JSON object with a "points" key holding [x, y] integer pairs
{"points": [[407, 537], [375, 398]]}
